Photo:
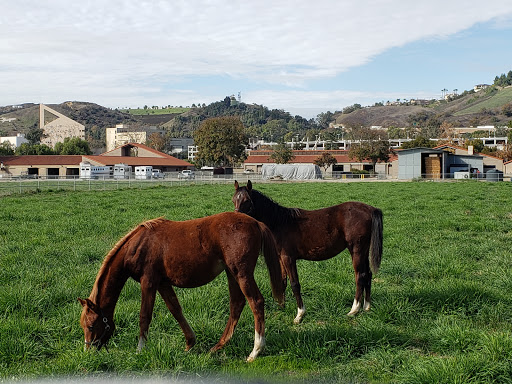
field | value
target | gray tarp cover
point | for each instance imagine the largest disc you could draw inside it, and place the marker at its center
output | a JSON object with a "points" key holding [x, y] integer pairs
{"points": [[291, 171]]}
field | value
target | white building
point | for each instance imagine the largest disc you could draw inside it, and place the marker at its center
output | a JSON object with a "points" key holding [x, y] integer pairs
{"points": [[15, 141], [122, 134]]}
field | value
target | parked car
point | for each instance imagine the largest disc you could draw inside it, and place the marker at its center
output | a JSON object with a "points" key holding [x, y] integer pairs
{"points": [[157, 174], [186, 174]]}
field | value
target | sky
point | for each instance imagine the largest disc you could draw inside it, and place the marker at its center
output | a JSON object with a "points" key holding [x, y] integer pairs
{"points": [[304, 57]]}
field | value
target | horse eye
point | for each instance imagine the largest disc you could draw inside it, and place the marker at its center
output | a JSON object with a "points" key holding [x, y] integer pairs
{"points": [[90, 328]]}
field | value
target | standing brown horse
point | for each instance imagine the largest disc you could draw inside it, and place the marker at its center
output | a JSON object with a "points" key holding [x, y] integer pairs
{"points": [[161, 254], [319, 235]]}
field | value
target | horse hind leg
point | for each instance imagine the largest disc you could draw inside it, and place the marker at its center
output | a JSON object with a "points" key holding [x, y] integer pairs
{"points": [[257, 303], [172, 303], [363, 278], [236, 305]]}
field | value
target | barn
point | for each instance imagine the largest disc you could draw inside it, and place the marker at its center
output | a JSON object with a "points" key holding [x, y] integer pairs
{"points": [[436, 163]]}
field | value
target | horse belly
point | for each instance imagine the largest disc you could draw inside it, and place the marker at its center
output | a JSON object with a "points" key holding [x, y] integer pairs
{"points": [[190, 274], [321, 252], [319, 242]]}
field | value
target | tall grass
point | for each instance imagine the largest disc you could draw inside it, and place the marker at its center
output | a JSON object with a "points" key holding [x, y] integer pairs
{"points": [[441, 311]]}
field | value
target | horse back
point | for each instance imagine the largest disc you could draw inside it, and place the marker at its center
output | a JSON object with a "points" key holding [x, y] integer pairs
{"points": [[191, 253], [323, 233]]}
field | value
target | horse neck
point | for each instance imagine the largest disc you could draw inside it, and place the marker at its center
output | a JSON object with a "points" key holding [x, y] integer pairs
{"points": [[268, 211], [109, 283]]}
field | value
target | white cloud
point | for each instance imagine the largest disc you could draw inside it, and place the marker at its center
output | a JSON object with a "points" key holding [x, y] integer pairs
{"points": [[124, 50]]}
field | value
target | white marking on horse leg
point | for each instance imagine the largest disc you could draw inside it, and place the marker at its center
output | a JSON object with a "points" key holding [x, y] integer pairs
{"points": [[366, 305], [141, 345], [355, 308], [300, 314], [259, 344]]}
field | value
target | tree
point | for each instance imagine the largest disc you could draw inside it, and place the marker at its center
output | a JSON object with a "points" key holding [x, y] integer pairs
{"points": [[325, 160], [73, 146], [507, 110], [420, 141], [282, 154], [220, 141], [478, 145], [6, 149], [156, 141], [34, 135], [324, 119], [373, 150]]}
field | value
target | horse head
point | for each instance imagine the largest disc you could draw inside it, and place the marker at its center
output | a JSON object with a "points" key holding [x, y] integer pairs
{"points": [[242, 199], [98, 328]]}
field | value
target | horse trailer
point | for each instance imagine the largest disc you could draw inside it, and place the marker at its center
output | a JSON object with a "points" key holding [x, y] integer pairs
{"points": [[89, 171], [122, 171], [143, 172]]}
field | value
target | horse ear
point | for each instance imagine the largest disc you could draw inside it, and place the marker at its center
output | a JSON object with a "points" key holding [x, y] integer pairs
{"points": [[82, 302], [88, 303], [249, 185], [236, 185]]}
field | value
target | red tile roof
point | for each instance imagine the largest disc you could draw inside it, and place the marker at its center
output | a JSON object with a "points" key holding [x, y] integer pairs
{"points": [[167, 161], [149, 149], [160, 159], [41, 160]]}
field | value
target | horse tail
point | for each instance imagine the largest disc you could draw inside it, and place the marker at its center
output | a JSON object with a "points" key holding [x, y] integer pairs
{"points": [[273, 262], [376, 240]]}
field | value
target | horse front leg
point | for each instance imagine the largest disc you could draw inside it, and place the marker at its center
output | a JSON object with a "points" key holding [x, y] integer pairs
{"points": [[290, 266], [148, 291], [236, 305], [169, 296]]}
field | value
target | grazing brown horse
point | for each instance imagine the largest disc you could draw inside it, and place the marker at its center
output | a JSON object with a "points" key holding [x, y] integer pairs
{"points": [[161, 254], [319, 235]]}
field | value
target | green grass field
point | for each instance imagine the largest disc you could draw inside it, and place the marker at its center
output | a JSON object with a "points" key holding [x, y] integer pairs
{"points": [[442, 310]]}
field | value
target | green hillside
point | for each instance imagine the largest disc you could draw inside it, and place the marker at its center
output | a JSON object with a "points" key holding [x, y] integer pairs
{"points": [[494, 100]]}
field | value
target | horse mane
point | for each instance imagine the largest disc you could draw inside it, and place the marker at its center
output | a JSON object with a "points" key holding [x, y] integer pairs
{"points": [[273, 213], [149, 224]]}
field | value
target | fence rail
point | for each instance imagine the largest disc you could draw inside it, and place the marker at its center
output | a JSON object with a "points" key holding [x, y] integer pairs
{"points": [[12, 186]]}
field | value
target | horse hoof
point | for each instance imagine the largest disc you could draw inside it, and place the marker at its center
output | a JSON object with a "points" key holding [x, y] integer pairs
{"points": [[250, 359], [190, 344]]}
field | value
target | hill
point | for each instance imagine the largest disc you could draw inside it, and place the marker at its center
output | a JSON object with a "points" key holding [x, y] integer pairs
{"points": [[468, 109], [490, 107]]}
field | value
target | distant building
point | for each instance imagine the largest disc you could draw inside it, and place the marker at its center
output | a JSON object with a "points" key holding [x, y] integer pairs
{"points": [[480, 87], [56, 127], [52, 166], [15, 141], [123, 134]]}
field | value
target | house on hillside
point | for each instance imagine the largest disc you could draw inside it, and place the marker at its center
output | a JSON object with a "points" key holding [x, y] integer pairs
{"points": [[48, 166]]}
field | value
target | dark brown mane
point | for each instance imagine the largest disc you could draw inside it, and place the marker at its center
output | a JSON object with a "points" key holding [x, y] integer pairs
{"points": [[271, 213], [149, 224]]}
